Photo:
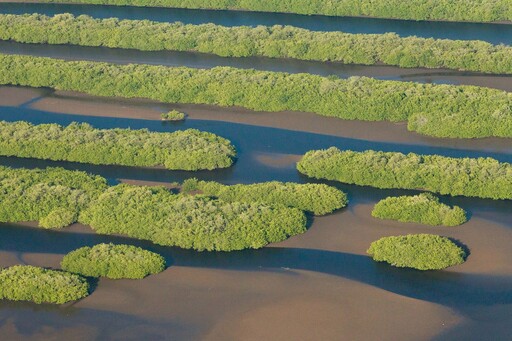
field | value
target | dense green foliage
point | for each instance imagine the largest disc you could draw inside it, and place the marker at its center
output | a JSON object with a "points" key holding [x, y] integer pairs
{"points": [[113, 261], [453, 10], [437, 110], [472, 177], [58, 197], [275, 42], [52, 196], [423, 208], [173, 115], [191, 222], [186, 150], [30, 283], [417, 251], [318, 199]]}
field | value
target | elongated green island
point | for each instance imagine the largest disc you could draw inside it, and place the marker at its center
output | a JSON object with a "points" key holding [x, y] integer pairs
{"points": [[450, 10], [274, 42], [318, 199], [436, 110], [39, 285], [184, 150], [423, 208], [472, 177]]}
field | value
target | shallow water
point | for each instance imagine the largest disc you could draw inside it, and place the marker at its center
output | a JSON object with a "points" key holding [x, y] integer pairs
{"points": [[493, 33]]}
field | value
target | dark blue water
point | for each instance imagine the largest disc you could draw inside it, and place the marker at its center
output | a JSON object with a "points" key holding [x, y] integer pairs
{"points": [[493, 33]]}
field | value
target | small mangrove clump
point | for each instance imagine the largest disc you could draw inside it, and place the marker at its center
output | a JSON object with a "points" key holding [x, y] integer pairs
{"points": [[417, 251], [113, 261], [423, 208], [39, 285], [173, 115], [318, 199]]}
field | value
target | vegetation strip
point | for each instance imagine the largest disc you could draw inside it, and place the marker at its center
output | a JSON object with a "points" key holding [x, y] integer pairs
{"points": [[39, 285], [318, 199], [184, 150], [472, 177], [436, 110], [417, 251], [113, 261], [152, 213], [453, 10], [274, 42], [423, 208]]}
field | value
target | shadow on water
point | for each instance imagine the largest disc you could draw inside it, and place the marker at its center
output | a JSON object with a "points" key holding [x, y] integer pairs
{"points": [[456, 290], [493, 33], [206, 61]]}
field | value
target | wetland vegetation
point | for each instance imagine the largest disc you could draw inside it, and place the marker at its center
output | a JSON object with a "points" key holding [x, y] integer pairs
{"points": [[451, 10], [113, 261], [275, 42], [40, 285], [195, 222], [435, 110], [190, 221], [423, 208], [472, 177], [318, 199], [173, 115], [79, 142], [52, 196], [417, 251]]}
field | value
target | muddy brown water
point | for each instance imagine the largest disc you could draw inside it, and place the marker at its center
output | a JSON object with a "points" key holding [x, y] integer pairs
{"points": [[319, 285]]}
